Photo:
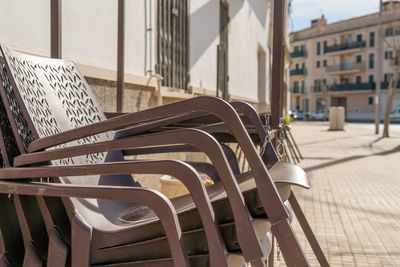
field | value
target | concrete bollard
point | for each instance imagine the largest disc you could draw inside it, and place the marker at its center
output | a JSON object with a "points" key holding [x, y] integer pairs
{"points": [[336, 118]]}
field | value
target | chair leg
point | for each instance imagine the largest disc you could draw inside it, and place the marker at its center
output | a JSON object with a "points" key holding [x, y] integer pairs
{"points": [[58, 251], [272, 253], [31, 259], [289, 245], [81, 236], [295, 144], [308, 231], [4, 261]]}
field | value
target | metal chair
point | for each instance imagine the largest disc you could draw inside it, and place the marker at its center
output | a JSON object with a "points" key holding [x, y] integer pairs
{"points": [[38, 89]]}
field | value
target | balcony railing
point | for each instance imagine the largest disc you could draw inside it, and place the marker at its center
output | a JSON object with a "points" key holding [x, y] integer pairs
{"points": [[395, 61], [298, 72], [351, 87], [297, 54], [319, 88], [385, 84], [345, 46], [298, 90], [346, 67]]}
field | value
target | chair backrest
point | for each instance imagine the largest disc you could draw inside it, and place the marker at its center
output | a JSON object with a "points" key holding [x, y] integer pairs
{"points": [[48, 96]]}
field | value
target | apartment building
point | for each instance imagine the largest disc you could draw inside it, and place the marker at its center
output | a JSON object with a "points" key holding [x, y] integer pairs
{"points": [[336, 64]]}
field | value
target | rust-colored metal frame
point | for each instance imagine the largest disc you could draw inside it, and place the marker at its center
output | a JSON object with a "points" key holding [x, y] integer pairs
{"points": [[219, 108]]}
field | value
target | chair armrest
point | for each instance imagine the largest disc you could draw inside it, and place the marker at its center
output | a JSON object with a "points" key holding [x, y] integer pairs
{"points": [[269, 196], [161, 205], [182, 171], [196, 138]]}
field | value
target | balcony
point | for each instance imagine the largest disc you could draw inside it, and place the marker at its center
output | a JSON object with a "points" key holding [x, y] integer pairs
{"points": [[298, 90], [297, 72], [395, 61], [298, 54], [345, 47], [319, 89], [351, 87], [346, 68], [385, 84]]}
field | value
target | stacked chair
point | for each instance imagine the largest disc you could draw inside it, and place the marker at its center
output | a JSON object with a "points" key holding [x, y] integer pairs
{"points": [[68, 198]]}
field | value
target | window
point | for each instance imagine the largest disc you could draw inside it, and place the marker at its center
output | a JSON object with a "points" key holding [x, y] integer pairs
{"points": [[296, 48], [318, 48], [172, 45], [388, 54], [389, 32], [303, 85], [388, 76], [371, 39], [324, 81], [325, 46], [317, 85], [349, 41], [371, 60], [358, 58], [370, 100], [397, 31], [296, 85], [359, 38], [318, 63], [324, 63], [371, 78], [358, 79], [297, 66]]}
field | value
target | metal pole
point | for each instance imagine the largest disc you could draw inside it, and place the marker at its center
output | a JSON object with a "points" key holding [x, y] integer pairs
{"points": [[120, 54], [379, 72], [277, 62], [55, 28]]}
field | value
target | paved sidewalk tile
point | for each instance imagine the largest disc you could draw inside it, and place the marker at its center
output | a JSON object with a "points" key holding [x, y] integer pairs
{"points": [[354, 203]]}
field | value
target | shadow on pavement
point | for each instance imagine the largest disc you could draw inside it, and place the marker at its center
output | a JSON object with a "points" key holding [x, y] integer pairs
{"points": [[342, 160]]}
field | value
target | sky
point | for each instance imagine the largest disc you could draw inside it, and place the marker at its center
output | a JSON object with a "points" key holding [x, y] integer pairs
{"points": [[303, 11]]}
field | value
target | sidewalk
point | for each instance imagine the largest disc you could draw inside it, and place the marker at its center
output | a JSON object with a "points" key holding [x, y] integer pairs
{"points": [[354, 203]]}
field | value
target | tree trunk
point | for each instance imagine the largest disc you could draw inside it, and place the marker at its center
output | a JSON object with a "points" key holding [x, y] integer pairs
{"points": [[391, 90]]}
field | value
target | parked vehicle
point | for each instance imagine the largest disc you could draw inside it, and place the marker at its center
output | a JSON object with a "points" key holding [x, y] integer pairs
{"points": [[395, 114], [296, 114], [320, 115]]}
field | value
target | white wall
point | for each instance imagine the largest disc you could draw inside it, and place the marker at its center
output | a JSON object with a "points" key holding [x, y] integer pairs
{"points": [[25, 24], [249, 30], [89, 32], [204, 38], [89, 36]]}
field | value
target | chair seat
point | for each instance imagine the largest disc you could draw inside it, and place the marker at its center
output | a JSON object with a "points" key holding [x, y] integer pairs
{"points": [[235, 259], [145, 229]]}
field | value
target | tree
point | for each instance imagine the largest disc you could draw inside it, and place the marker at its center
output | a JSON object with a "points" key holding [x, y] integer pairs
{"points": [[392, 42]]}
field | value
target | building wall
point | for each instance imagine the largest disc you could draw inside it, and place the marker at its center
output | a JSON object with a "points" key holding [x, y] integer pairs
{"points": [[204, 38], [249, 21], [89, 38], [31, 20]]}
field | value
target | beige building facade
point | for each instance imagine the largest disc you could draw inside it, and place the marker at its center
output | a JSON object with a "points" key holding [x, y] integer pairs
{"points": [[336, 64]]}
